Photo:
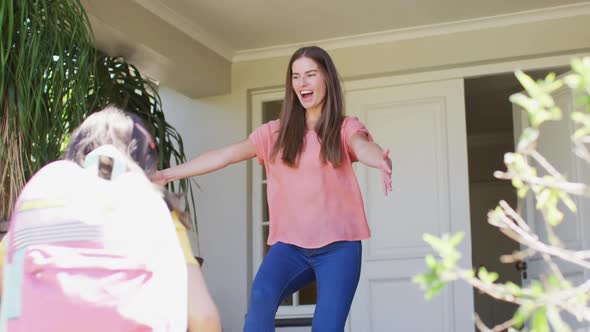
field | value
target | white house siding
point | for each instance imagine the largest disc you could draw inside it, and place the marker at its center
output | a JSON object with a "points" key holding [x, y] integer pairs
{"points": [[221, 203]]}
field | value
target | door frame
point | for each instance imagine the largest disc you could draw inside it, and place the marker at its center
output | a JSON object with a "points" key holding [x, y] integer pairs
{"points": [[461, 71], [449, 93]]}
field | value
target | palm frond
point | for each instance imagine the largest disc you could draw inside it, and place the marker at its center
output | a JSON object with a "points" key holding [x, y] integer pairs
{"points": [[44, 51], [52, 78], [120, 83]]}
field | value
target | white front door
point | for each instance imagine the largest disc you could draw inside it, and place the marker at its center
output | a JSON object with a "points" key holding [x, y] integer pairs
{"points": [[424, 126], [556, 146]]}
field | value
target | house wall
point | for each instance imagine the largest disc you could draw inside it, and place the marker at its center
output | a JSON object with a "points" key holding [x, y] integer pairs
{"points": [[437, 52], [119, 28], [222, 201], [221, 205]]}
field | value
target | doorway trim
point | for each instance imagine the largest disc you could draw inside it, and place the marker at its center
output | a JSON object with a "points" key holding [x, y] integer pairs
{"points": [[462, 72]]}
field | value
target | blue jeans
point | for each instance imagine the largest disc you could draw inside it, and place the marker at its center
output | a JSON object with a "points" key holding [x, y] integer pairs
{"points": [[288, 268]]}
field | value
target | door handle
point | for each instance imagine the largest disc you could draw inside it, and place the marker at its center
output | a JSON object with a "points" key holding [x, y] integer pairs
{"points": [[522, 267]]}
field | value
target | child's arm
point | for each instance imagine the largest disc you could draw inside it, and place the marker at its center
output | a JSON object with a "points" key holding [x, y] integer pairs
{"points": [[202, 312], [370, 154]]}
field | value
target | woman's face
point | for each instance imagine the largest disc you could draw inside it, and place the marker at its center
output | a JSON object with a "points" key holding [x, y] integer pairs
{"points": [[309, 83]]}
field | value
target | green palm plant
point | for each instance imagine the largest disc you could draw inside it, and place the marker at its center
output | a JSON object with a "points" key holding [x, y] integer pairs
{"points": [[118, 82], [45, 49], [51, 78]]}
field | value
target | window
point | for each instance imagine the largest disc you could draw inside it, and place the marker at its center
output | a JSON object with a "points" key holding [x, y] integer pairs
{"points": [[267, 107]]}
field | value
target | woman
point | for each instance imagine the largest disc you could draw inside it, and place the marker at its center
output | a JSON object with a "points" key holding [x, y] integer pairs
{"points": [[316, 210]]}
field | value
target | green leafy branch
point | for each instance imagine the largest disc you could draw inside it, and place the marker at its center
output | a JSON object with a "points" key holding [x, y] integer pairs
{"points": [[542, 302]]}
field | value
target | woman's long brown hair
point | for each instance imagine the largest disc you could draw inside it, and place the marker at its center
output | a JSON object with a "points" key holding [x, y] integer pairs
{"points": [[293, 126]]}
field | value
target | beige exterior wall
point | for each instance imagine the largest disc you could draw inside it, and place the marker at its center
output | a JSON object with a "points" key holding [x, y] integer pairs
{"points": [[158, 49], [566, 35]]}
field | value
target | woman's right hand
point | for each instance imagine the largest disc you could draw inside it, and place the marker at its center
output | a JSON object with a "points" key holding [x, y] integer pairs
{"points": [[159, 178]]}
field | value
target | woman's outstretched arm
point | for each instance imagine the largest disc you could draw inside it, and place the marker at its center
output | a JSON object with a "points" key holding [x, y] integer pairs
{"points": [[371, 154], [207, 162]]}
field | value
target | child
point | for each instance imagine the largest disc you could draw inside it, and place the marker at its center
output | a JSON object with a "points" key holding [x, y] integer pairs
{"points": [[113, 143]]}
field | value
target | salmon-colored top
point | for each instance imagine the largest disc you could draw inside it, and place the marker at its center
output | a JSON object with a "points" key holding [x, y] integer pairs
{"points": [[313, 204]]}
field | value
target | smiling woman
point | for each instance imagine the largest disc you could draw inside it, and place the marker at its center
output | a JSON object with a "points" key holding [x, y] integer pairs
{"points": [[309, 84], [307, 156], [312, 79]]}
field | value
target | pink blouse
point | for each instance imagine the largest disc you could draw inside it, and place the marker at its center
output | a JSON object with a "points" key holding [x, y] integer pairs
{"points": [[314, 204]]}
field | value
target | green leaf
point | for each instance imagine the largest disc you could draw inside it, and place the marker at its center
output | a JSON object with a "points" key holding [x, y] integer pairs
{"points": [[437, 244], [513, 288], [536, 288], [521, 316], [554, 281], [573, 80], [431, 261], [525, 80], [527, 138], [539, 321], [457, 238], [567, 200], [420, 279], [522, 192], [487, 277], [435, 290]]}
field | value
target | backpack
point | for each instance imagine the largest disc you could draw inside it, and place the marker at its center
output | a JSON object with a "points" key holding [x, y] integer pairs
{"points": [[84, 253]]}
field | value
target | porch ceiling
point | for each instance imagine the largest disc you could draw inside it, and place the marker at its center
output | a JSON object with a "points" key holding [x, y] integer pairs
{"points": [[171, 40], [252, 24]]}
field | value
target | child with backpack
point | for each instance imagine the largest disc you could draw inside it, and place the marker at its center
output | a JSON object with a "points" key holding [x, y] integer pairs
{"points": [[92, 244]]}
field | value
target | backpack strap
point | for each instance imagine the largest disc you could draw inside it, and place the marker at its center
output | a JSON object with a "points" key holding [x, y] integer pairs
{"points": [[107, 161]]}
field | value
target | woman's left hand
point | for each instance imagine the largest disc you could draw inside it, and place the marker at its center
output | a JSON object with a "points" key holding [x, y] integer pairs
{"points": [[386, 172]]}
